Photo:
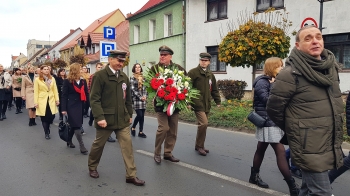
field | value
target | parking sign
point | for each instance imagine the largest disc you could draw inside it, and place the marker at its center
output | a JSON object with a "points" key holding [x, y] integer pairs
{"points": [[105, 47], [108, 33]]}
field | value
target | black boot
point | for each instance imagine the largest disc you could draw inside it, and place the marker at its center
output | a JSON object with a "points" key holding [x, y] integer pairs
{"points": [[293, 189], [83, 150], [30, 122], [33, 121], [255, 179], [17, 110], [46, 130], [3, 116]]}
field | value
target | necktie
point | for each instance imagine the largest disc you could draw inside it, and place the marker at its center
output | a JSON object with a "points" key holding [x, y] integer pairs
{"points": [[117, 74]]}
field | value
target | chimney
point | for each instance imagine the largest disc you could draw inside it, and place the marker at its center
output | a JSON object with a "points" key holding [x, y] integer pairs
{"points": [[72, 30], [128, 15]]}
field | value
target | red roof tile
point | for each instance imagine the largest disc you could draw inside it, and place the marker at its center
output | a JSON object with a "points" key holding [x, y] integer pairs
{"points": [[123, 36], [93, 57], [148, 5], [96, 37], [91, 28]]}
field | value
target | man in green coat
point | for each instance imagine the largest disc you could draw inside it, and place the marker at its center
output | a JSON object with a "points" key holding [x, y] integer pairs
{"points": [[203, 80], [305, 102], [111, 106]]}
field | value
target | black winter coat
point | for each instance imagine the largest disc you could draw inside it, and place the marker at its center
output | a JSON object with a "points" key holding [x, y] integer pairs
{"points": [[262, 87], [348, 114], [71, 102]]}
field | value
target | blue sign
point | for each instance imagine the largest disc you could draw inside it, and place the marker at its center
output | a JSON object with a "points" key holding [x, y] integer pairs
{"points": [[105, 47], [108, 33]]}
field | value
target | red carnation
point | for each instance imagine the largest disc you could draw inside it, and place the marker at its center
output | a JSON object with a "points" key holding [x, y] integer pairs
{"points": [[168, 88], [154, 85], [185, 91], [161, 93], [161, 81], [174, 90], [172, 96], [157, 74], [169, 81], [181, 96]]}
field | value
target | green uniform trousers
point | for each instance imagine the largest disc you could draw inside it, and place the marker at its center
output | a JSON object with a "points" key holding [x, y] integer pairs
{"points": [[202, 118], [125, 143], [167, 133]]}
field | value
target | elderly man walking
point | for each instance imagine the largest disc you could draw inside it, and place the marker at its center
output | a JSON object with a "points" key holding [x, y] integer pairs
{"points": [[306, 103]]}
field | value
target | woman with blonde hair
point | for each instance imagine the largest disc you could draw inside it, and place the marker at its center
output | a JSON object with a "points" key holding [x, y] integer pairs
{"points": [[16, 89], [27, 93], [269, 134], [74, 95], [46, 98]]}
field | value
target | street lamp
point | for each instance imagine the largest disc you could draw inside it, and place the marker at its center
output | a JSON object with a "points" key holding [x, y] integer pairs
{"points": [[321, 12]]}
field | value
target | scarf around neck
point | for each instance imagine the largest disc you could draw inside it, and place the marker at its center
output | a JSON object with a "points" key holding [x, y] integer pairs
{"points": [[139, 78], [81, 91], [318, 71]]}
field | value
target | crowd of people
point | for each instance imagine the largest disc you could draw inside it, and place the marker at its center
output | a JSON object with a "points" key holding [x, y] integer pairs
{"points": [[300, 102]]}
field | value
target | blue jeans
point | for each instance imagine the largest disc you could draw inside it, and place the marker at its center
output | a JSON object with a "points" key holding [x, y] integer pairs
{"points": [[288, 157]]}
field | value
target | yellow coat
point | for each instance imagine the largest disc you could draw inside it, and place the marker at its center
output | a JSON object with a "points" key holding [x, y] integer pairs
{"points": [[42, 93]]}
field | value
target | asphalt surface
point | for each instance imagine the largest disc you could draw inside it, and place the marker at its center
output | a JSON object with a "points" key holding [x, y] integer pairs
{"points": [[34, 166]]}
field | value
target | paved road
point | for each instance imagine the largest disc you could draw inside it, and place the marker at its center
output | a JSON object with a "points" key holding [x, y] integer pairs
{"points": [[33, 166]]}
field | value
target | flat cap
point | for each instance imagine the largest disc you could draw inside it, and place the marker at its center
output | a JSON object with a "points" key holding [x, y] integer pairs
{"points": [[117, 54], [204, 55], [165, 50]]}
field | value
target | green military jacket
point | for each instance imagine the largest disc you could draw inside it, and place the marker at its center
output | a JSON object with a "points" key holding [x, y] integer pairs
{"points": [[205, 82], [110, 99]]}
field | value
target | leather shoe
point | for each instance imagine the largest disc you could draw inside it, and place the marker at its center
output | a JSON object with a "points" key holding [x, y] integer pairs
{"points": [[206, 150], [136, 181], [157, 159], [172, 159], [201, 151], [90, 123], [93, 174], [110, 139]]}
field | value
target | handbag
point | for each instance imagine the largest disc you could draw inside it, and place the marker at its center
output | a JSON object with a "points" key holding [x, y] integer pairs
{"points": [[256, 119], [64, 129]]}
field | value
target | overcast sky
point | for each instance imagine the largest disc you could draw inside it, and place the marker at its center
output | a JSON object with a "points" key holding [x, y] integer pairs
{"points": [[21, 20]]}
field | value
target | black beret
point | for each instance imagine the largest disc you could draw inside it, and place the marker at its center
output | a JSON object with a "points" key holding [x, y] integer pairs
{"points": [[204, 55], [117, 54], [166, 50]]}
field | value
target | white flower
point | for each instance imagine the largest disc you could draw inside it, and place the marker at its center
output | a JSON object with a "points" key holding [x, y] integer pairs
{"points": [[181, 72], [179, 78], [170, 71], [186, 84], [166, 71]]}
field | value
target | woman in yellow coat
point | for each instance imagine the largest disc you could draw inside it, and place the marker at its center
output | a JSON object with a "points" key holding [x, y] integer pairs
{"points": [[46, 98], [27, 93]]}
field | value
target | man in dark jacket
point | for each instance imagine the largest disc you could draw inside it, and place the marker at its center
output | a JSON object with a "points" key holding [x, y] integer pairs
{"points": [[167, 125], [203, 80], [306, 103], [111, 105]]}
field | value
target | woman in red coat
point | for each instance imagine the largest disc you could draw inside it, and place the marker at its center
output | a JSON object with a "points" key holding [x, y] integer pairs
{"points": [[74, 95]]}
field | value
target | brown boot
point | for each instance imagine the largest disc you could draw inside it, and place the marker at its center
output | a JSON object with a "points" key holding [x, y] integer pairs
{"points": [[81, 143]]}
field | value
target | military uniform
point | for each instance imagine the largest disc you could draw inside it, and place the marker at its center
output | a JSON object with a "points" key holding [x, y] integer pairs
{"points": [[205, 82], [167, 125], [111, 101]]}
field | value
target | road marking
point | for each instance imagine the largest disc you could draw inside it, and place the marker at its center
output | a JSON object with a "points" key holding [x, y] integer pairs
{"points": [[221, 176]]}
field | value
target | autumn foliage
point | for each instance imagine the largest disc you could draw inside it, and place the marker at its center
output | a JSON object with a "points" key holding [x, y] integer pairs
{"points": [[259, 36]]}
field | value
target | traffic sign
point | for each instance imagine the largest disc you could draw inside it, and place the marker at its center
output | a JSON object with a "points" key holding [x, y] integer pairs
{"points": [[108, 32], [105, 47]]}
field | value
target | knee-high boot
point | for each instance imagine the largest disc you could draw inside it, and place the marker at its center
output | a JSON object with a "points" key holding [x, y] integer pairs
{"points": [[293, 189], [33, 121], [83, 150], [256, 179], [46, 130]]}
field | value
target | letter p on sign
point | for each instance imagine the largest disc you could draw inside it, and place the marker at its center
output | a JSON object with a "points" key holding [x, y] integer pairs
{"points": [[108, 33]]}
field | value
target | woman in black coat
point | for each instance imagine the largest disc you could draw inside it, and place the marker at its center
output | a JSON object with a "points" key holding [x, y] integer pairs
{"points": [[74, 94], [61, 76], [269, 134]]}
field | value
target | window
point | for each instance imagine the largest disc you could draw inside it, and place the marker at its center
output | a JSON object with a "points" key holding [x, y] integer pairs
{"points": [[136, 34], [168, 25], [39, 46], [215, 64], [47, 46], [152, 30], [339, 44], [262, 5], [217, 9]]}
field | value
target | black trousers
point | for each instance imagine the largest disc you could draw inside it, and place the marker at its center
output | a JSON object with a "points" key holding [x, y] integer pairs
{"points": [[140, 118], [19, 102], [3, 106]]}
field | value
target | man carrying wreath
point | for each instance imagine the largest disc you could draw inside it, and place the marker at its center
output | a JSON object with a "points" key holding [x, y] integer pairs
{"points": [[203, 80], [167, 125]]}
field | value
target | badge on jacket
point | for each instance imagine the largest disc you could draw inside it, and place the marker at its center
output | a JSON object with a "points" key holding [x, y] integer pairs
{"points": [[124, 90], [210, 83]]}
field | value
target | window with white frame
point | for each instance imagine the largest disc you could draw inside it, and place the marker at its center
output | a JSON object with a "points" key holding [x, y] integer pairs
{"points": [[136, 34], [152, 30], [215, 64], [168, 25], [262, 5], [217, 9], [339, 45]]}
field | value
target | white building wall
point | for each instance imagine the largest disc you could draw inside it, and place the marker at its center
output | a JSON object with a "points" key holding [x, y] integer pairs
{"points": [[57, 48], [200, 33]]}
